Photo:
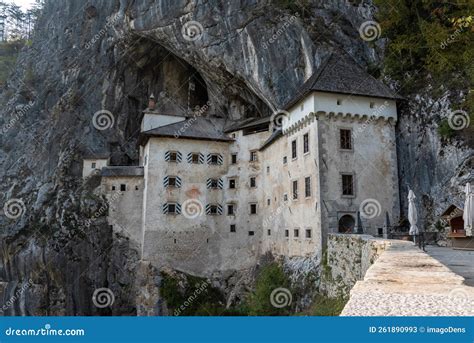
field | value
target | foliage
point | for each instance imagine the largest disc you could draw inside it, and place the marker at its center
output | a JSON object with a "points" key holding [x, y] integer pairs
{"points": [[8, 54], [429, 38], [325, 306], [444, 130], [270, 278], [194, 298]]}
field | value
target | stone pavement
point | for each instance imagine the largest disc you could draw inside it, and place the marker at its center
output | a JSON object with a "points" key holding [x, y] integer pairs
{"points": [[459, 261], [404, 281]]}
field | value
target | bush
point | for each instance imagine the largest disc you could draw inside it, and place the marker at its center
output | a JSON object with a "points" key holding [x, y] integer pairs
{"points": [[444, 130], [259, 303], [325, 306]]}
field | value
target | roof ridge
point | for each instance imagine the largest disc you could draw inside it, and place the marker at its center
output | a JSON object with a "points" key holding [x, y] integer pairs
{"points": [[159, 127]]}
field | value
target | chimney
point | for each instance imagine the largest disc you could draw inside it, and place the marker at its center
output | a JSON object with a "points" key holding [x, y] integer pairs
{"points": [[151, 102]]}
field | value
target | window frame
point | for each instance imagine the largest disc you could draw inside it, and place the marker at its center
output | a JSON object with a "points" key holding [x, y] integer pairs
{"points": [[250, 208], [294, 150], [293, 192], [231, 206], [253, 179], [233, 158], [253, 156], [296, 233], [351, 143], [308, 233], [94, 165], [306, 188], [232, 180], [174, 181], [175, 154], [352, 175], [195, 154], [306, 143], [174, 211]]}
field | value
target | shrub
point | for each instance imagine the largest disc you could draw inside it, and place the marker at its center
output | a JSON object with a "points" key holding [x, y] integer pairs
{"points": [[325, 306]]}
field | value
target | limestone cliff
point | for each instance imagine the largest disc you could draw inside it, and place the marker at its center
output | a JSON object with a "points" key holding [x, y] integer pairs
{"points": [[249, 59]]}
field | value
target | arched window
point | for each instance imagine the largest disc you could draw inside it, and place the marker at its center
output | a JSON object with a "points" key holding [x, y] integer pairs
{"points": [[346, 224]]}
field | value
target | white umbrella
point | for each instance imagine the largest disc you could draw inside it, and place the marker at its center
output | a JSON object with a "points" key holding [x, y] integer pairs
{"points": [[468, 215], [412, 214]]}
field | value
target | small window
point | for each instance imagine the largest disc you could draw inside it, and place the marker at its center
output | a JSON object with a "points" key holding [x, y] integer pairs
{"points": [[93, 165], [302, 107], [268, 169], [287, 233], [233, 135], [307, 187], [306, 143], [214, 159], [175, 241], [269, 232], [232, 227], [171, 181], [214, 183], [268, 201], [253, 182], [293, 150], [285, 197], [347, 184], [230, 209], [345, 139], [295, 189], [251, 233], [308, 233], [339, 102], [113, 188], [296, 233], [253, 208], [173, 157], [234, 158], [232, 183], [213, 209], [145, 160], [195, 158], [136, 188], [123, 187], [253, 156], [171, 208], [372, 104], [285, 159]]}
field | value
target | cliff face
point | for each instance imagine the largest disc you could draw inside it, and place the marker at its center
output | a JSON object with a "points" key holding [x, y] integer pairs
{"points": [[245, 58]]}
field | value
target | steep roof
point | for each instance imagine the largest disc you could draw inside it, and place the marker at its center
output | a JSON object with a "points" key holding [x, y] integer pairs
{"points": [[193, 128], [122, 171], [339, 73], [247, 123], [273, 137]]}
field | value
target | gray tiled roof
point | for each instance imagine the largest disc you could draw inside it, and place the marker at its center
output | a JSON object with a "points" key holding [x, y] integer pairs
{"points": [[339, 73], [194, 128], [122, 171]]}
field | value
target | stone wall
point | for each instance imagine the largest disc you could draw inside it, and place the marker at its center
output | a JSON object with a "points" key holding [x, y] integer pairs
{"points": [[346, 260]]}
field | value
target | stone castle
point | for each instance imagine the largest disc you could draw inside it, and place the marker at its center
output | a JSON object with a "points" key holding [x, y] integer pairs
{"points": [[214, 194]]}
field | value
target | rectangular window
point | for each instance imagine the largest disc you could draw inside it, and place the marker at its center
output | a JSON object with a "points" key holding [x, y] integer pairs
{"points": [[285, 159], [171, 208], [253, 182], [287, 233], [307, 186], [285, 197], [123, 187], [269, 232], [295, 190], [253, 156], [293, 149], [195, 158], [234, 158], [251, 233], [171, 182], [214, 183], [230, 209], [372, 104], [232, 227], [214, 159], [347, 184], [268, 169], [231, 183], [213, 209], [253, 208], [93, 165], [345, 139], [173, 157], [308, 233], [268, 201], [296, 233], [113, 188], [306, 143]]}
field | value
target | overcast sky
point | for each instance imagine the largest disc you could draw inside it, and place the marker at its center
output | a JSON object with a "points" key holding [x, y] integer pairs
{"points": [[23, 3]]}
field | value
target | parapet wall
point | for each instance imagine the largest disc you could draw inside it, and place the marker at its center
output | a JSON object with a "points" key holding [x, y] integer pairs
{"points": [[347, 259]]}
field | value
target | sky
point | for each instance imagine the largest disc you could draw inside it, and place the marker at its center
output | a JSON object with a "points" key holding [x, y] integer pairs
{"points": [[25, 4]]}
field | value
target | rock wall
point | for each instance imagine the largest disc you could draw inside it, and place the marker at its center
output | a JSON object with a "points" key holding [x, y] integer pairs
{"points": [[346, 261]]}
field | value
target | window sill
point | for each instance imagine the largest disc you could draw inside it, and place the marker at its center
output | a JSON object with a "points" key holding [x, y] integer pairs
{"points": [[346, 150], [306, 153], [348, 196]]}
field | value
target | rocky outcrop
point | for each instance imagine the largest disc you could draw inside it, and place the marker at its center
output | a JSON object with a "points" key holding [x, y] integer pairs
{"points": [[250, 58]]}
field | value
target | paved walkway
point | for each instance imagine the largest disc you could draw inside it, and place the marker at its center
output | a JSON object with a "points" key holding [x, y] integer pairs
{"points": [[404, 281], [459, 261]]}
